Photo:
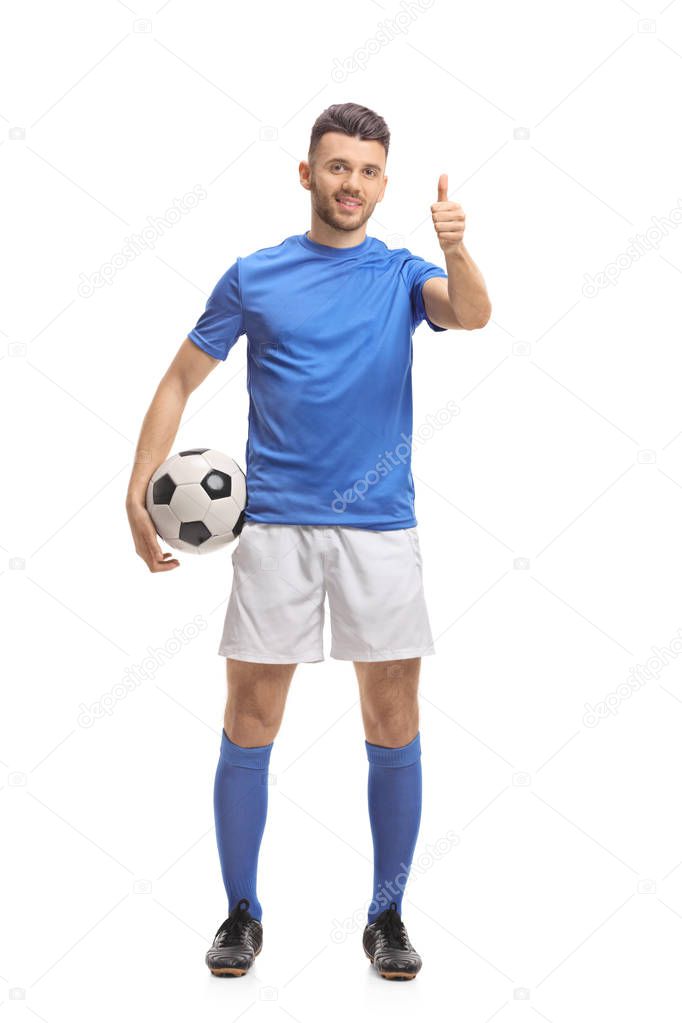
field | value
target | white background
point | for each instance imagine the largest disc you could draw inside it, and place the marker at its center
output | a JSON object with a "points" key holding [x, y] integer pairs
{"points": [[561, 898]]}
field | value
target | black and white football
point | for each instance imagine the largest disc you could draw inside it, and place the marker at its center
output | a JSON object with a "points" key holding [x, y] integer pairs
{"points": [[197, 499]]}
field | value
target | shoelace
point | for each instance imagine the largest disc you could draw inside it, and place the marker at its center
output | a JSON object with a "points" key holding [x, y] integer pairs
{"points": [[392, 927], [236, 921]]}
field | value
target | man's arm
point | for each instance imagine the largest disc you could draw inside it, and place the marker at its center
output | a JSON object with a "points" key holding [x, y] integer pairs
{"points": [[189, 368], [460, 301]]}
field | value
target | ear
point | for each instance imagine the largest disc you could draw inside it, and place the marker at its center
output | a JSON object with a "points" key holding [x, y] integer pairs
{"points": [[304, 174]]}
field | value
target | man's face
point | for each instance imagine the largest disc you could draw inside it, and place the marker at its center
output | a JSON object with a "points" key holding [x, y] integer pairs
{"points": [[346, 180]]}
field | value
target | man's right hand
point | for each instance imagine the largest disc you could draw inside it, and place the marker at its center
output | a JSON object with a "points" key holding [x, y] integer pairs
{"points": [[146, 540]]}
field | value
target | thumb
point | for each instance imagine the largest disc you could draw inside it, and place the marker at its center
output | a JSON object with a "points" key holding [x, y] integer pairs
{"points": [[443, 188]]}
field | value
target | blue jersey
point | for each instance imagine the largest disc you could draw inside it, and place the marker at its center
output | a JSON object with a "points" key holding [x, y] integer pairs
{"points": [[329, 375]]}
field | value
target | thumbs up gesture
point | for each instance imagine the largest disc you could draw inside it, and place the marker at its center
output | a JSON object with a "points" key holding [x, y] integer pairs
{"points": [[448, 219]]}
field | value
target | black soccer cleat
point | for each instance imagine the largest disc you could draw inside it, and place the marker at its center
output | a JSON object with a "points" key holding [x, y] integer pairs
{"points": [[388, 947], [237, 942]]}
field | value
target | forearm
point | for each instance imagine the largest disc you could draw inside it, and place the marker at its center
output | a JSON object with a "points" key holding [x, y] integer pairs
{"points": [[466, 289], [159, 428]]}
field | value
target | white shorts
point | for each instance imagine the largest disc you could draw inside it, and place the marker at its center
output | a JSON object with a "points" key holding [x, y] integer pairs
{"points": [[372, 578]]}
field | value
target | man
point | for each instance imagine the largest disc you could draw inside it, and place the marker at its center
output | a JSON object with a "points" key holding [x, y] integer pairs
{"points": [[329, 317]]}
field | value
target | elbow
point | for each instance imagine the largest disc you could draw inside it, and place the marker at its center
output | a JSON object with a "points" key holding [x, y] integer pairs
{"points": [[480, 321]]}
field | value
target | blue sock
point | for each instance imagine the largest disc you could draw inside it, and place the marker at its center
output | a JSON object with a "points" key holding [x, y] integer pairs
{"points": [[240, 803], [394, 795]]}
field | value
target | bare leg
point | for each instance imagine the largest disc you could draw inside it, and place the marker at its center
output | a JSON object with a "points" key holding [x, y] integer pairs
{"points": [[256, 697], [389, 700]]}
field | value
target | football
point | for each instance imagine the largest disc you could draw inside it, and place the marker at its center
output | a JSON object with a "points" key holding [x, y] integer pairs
{"points": [[196, 500]]}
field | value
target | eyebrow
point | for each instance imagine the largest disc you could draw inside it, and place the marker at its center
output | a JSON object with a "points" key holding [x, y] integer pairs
{"points": [[343, 159]]}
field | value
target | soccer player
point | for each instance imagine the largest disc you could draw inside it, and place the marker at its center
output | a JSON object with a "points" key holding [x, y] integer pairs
{"points": [[329, 317]]}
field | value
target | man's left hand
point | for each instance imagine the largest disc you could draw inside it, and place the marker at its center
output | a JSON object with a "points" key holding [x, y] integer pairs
{"points": [[448, 219]]}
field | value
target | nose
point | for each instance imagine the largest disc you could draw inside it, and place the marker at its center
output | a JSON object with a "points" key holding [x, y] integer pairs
{"points": [[352, 183]]}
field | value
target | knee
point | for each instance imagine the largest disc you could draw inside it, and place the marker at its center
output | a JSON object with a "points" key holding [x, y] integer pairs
{"points": [[251, 726], [250, 730], [391, 726], [392, 738]]}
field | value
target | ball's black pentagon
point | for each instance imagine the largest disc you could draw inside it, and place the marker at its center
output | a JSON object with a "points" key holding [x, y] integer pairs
{"points": [[217, 484], [163, 490], [194, 532], [193, 451], [239, 524]]}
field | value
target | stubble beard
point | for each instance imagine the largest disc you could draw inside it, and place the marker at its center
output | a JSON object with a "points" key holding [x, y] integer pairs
{"points": [[327, 211]]}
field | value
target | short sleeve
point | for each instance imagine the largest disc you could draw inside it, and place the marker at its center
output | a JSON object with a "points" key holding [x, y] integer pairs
{"points": [[415, 271], [222, 322]]}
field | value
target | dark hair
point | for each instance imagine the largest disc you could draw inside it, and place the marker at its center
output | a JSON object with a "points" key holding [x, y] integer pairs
{"points": [[350, 119]]}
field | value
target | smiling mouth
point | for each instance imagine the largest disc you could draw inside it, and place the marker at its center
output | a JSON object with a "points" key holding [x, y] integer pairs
{"points": [[349, 204]]}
